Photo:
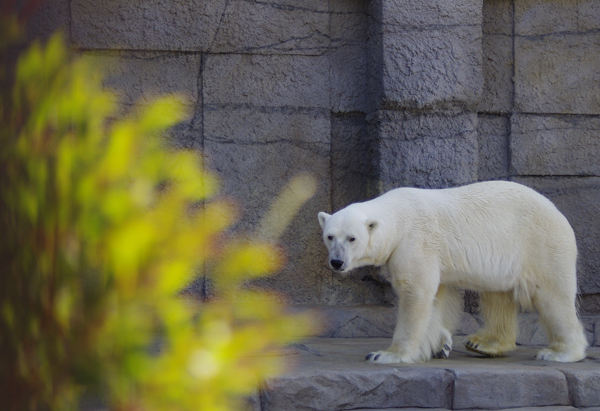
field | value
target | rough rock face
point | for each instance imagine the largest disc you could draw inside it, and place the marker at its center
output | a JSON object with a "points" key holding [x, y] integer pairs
{"points": [[366, 95], [331, 374]]}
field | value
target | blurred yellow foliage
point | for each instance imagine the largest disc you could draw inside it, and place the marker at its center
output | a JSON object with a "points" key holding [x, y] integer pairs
{"points": [[99, 235]]}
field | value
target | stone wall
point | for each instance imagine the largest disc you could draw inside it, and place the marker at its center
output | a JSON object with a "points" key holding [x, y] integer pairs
{"points": [[366, 96]]}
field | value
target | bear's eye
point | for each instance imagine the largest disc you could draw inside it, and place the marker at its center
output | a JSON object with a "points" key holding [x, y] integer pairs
{"points": [[330, 237], [351, 239]]}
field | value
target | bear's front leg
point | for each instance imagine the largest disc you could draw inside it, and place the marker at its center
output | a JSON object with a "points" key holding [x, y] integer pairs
{"points": [[415, 307]]}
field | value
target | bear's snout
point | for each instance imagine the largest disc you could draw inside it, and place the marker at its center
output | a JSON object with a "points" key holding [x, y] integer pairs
{"points": [[337, 264]]}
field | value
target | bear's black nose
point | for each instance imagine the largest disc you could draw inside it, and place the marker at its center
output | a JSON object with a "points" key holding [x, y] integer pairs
{"points": [[337, 264]]}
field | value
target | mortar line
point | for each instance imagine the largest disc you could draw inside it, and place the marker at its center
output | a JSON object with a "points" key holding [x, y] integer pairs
{"points": [[514, 82]]}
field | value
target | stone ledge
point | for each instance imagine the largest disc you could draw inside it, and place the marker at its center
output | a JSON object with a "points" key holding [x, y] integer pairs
{"points": [[376, 321], [331, 374]]}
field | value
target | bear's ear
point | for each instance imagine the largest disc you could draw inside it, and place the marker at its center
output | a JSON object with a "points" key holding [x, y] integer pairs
{"points": [[372, 225], [322, 218]]}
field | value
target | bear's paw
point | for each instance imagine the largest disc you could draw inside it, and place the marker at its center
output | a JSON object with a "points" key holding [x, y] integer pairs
{"points": [[487, 347], [548, 354], [387, 357], [443, 353]]}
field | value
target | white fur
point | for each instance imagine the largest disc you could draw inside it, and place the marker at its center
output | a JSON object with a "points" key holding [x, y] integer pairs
{"points": [[499, 238]]}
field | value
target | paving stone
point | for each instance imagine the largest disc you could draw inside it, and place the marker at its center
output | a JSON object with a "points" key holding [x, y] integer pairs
{"points": [[331, 374], [492, 138], [579, 200], [151, 25], [270, 27], [555, 145], [342, 389], [584, 385], [548, 408], [508, 388], [558, 74], [273, 81]]}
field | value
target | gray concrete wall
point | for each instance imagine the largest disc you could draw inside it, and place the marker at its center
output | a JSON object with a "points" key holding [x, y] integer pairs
{"points": [[366, 95]]}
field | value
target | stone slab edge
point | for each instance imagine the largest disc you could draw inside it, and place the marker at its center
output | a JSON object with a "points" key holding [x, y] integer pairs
{"points": [[359, 321]]}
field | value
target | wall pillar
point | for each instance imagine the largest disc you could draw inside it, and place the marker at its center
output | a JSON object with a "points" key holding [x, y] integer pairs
{"points": [[426, 80]]}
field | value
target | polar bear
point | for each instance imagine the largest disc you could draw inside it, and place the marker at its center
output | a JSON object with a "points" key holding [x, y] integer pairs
{"points": [[499, 238]]}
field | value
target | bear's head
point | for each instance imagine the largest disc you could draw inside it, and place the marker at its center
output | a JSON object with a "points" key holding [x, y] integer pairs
{"points": [[346, 235]]}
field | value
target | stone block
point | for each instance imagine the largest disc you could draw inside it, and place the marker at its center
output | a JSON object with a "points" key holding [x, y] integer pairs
{"points": [[531, 332], [348, 77], [353, 161], [492, 135], [348, 21], [485, 388], [357, 321], [419, 14], [588, 15], [273, 81], [348, 57], [273, 27], [431, 149], [497, 17], [255, 152], [497, 93], [538, 17], [354, 178], [149, 25], [555, 145], [50, 15], [589, 304], [433, 68], [597, 334], [467, 325], [361, 286], [583, 386], [137, 77], [359, 388], [579, 200], [558, 74]]}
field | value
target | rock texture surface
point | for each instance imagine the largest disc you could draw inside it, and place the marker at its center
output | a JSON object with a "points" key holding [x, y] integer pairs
{"points": [[331, 374], [366, 95]]}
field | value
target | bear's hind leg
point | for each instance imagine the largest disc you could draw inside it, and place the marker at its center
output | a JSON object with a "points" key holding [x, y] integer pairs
{"points": [[565, 332], [499, 333]]}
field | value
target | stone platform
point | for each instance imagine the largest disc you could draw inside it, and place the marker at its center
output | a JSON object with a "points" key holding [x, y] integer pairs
{"points": [[331, 374]]}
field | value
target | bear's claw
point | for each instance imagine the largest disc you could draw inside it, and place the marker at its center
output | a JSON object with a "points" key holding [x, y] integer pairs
{"points": [[443, 353], [470, 346]]}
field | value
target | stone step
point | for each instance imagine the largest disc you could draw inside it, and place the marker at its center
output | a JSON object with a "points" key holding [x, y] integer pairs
{"points": [[331, 374], [379, 321]]}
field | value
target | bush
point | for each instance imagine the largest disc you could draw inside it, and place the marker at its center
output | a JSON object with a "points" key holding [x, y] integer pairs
{"points": [[102, 225]]}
